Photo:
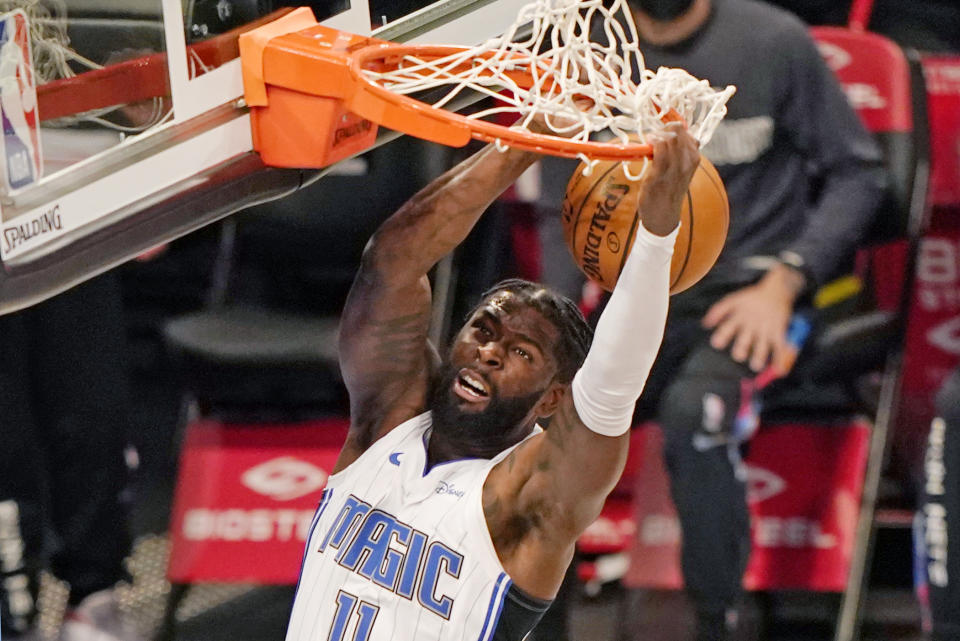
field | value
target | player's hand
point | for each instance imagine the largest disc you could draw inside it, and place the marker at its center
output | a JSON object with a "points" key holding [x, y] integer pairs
{"points": [[676, 155], [753, 321]]}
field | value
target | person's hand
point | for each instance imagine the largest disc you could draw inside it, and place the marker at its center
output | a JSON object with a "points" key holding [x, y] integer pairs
{"points": [[676, 155], [753, 321]]}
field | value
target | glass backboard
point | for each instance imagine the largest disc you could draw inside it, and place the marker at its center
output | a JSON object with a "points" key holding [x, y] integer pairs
{"points": [[124, 122]]}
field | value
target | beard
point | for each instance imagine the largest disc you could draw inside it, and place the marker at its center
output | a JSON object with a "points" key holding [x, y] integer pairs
{"points": [[487, 432]]}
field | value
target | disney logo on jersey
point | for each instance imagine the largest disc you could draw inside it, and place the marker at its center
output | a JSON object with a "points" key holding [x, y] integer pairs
{"points": [[285, 478], [449, 488]]}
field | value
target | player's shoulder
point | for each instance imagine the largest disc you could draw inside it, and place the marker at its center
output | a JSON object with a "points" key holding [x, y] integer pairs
{"points": [[408, 432], [512, 468], [411, 430]]}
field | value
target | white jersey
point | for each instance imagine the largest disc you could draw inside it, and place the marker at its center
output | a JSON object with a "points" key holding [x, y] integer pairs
{"points": [[398, 553]]}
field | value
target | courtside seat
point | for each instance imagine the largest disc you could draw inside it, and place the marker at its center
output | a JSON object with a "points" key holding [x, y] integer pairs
{"points": [[252, 362], [885, 85], [855, 337], [829, 379], [850, 346], [266, 347], [832, 376]]}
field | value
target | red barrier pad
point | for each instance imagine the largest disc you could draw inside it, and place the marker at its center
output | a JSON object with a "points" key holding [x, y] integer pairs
{"points": [[245, 498], [655, 550], [932, 348], [804, 487], [805, 484], [874, 74], [942, 77]]}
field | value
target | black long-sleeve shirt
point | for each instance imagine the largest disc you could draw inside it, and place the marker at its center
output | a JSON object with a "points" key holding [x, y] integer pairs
{"points": [[801, 172]]}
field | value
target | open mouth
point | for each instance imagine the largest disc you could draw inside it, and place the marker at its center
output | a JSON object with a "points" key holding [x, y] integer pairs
{"points": [[471, 387]]}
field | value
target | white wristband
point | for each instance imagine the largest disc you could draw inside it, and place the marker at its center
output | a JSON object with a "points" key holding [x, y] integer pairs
{"points": [[627, 338]]}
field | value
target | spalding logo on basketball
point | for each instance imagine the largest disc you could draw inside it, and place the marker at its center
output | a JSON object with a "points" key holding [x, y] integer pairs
{"points": [[600, 219]]}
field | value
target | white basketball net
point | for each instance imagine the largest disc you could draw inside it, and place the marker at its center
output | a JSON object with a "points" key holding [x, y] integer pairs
{"points": [[567, 67]]}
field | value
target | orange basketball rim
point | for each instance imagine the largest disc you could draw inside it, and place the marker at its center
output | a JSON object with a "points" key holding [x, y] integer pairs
{"points": [[312, 103]]}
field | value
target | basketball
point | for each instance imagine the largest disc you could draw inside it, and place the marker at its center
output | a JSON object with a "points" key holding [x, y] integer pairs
{"points": [[600, 219]]}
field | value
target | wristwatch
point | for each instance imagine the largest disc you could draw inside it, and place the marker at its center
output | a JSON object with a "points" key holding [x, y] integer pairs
{"points": [[796, 262]]}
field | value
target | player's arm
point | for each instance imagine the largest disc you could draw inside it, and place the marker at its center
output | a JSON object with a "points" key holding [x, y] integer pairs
{"points": [[842, 156], [585, 446], [561, 478], [384, 353]]}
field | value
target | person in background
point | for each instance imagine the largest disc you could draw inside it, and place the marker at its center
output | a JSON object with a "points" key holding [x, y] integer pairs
{"points": [[64, 421], [804, 179]]}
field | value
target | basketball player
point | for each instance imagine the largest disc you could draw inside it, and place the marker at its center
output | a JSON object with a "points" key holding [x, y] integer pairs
{"points": [[65, 416], [804, 180], [450, 515]]}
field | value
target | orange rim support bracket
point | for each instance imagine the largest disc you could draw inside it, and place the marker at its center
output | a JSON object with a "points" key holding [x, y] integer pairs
{"points": [[295, 75], [312, 103]]}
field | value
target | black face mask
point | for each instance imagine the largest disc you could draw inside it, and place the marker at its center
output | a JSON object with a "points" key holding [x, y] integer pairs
{"points": [[662, 10]]}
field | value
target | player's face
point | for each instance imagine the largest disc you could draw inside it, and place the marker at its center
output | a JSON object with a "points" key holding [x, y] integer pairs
{"points": [[500, 364]]}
